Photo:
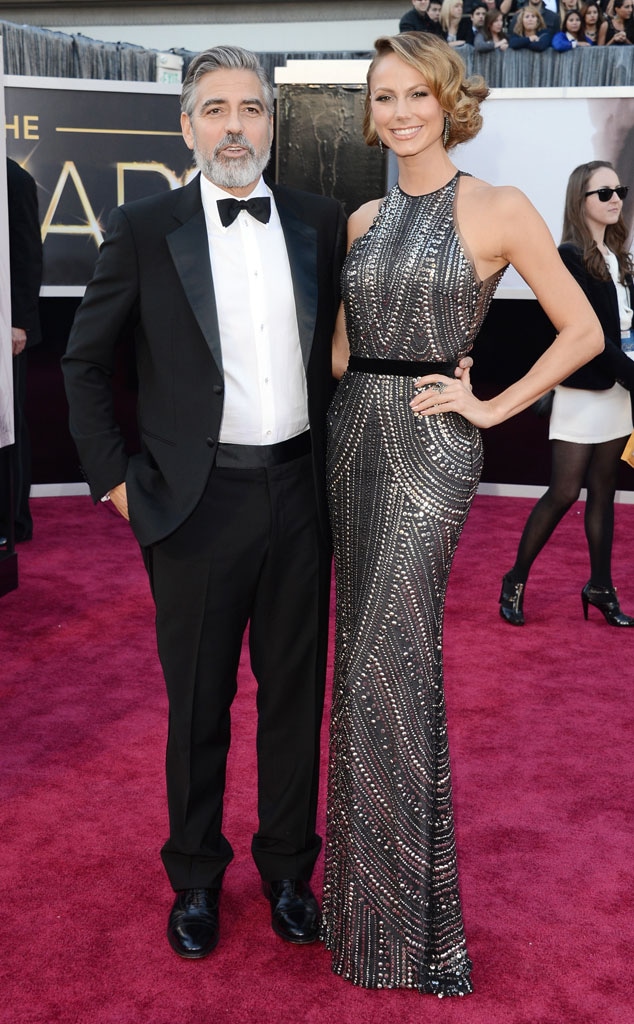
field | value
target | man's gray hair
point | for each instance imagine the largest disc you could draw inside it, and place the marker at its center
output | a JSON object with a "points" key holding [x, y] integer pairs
{"points": [[223, 58]]}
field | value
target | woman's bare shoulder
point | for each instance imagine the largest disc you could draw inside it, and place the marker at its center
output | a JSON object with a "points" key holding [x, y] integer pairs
{"points": [[493, 197], [496, 221], [362, 219]]}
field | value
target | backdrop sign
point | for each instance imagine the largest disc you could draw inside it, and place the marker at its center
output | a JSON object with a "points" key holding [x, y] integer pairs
{"points": [[90, 147]]}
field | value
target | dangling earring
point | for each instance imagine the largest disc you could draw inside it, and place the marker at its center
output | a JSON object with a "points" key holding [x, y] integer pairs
{"points": [[381, 147], [446, 131]]}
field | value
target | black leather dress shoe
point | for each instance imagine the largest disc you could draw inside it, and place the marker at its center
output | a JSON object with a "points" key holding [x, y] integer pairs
{"points": [[295, 914], [192, 928]]}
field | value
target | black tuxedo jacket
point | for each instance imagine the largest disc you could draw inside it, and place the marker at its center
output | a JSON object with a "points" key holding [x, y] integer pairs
{"points": [[153, 277], [25, 252], [612, 364]]}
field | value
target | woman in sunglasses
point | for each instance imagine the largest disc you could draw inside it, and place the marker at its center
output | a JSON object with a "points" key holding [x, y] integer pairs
{"points": [[591, 416]]}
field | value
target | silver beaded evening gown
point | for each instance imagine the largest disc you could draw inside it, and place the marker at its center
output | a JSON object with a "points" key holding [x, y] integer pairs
{"points": [[400, 488]]}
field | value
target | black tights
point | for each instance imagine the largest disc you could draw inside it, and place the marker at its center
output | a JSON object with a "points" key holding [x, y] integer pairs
{"points": [[598, 465]]}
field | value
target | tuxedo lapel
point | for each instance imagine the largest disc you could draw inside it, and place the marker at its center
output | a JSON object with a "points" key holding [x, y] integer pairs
{"points": [[301, 246], [189, 248]]}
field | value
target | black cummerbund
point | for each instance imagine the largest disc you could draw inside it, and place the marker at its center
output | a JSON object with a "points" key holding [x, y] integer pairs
{"points": [[262, 456], [399, 367]]}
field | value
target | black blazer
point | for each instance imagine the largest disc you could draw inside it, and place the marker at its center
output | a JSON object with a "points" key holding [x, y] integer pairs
{"points": [[25, 252], [153, 277], [466, 31], [612, 364]]}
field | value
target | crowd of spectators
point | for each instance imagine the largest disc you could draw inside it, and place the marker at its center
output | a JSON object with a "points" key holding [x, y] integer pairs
{"points": [[490, 25]]}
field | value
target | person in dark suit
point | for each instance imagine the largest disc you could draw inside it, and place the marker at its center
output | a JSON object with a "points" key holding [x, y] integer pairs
{"points": [[471, 25], [591, 416], [415, 20], [25, 264], [231, 290]]}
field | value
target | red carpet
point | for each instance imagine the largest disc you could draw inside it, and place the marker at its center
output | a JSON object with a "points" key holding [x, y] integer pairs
{"points": [[541, 725]]}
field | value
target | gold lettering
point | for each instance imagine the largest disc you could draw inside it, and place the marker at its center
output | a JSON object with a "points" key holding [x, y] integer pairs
{"points": [[152, 167], [31, 127], [91, 226], [14, 126]]}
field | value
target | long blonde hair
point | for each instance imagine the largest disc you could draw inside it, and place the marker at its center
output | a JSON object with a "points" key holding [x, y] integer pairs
{"points": [[445, 13]]}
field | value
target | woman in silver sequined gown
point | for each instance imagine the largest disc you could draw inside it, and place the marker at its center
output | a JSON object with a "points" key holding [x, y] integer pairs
{"points": [[403, 465]]}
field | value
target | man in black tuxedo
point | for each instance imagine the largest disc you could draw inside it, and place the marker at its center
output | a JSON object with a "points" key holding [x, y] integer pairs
{"points": [[25, 264], [231, 291]]}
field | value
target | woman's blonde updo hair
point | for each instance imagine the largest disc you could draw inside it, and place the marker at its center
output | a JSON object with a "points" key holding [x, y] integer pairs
{"points": [[444, 72]]}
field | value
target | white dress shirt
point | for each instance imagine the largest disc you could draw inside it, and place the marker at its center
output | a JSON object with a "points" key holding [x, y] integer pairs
{"points": [[265, 397]]}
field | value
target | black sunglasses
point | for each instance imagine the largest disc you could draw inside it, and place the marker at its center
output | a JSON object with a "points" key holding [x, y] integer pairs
{"points": [[605, 194]]}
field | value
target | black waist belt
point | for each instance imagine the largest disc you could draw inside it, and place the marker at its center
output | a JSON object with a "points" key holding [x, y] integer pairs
{"points": [[262, 456], [399, 367]]}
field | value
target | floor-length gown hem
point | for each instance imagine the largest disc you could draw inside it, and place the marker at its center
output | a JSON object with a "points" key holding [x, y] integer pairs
{"points": [[425, 979]]}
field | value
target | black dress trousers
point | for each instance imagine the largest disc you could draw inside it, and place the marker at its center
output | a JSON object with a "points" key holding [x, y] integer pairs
{"points": [[251, 553]]}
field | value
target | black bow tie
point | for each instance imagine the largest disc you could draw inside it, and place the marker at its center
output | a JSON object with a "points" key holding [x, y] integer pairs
{"points": [[228, 209]]}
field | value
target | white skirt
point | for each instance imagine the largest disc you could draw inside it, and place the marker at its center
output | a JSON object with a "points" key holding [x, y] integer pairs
{"points": [[590, 417]]}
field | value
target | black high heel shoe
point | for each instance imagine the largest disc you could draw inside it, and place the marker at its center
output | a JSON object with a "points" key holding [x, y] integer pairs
{"points": [[511, 601], [607, 603]]}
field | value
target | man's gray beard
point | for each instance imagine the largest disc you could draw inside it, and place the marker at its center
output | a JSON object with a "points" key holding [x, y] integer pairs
{"points": [[232, 172]]}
